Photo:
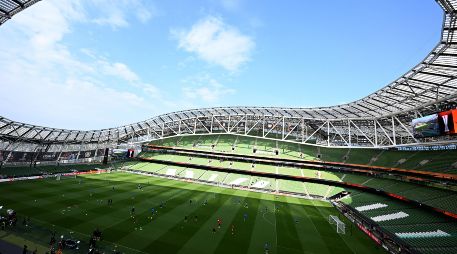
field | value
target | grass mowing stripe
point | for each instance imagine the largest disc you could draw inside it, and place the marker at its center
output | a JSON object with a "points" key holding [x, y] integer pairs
{"points": [[165, 233], [238, 242], [355, 240], [155, 226], [116, 228], [172, 239], [327, 232], [58, 187], [164, 217], [120, 201], [158, 227], [338, 237], [264, 228], [287, 242], [64, 203], [310, 236], [57, 215], [204, 241]]}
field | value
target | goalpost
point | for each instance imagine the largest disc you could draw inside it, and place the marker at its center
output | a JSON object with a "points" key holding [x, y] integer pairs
{"points": [[340, 226]]}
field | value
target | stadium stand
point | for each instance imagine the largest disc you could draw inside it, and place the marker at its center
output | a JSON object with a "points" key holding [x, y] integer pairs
{"points": [[434, 161], [412, 225]]}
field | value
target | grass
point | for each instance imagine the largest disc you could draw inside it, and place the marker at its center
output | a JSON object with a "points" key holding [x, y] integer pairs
{"points": [[80, 205]]}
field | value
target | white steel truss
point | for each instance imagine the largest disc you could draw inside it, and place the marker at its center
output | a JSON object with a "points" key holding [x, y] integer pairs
{"points": [[381, 119]]}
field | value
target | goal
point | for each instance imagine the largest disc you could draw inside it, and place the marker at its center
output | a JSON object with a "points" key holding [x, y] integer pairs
{"points": [[340, 226]]}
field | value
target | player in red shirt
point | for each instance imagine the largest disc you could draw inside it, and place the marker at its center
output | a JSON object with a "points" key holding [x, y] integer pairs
{"points": [[219, 222]]}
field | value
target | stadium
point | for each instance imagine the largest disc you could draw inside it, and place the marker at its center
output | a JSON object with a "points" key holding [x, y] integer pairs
{"points": [[376, 175]]}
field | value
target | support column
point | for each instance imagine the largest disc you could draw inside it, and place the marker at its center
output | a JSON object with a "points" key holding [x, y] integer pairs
{"points": [[283, 127], [328, 133], [228, 125], [212, 121], [163, 127], [195, 125], [246, 124], [375, 134], [263, 126], [393, 132]]}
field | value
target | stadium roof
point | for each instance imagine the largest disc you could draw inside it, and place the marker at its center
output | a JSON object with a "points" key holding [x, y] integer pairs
{"points": [[9, 8], [432, 81]]}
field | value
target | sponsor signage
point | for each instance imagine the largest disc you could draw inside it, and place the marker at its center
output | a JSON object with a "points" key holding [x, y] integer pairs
{"points": [[427, 148], [48, 156], [447, 122], [366, 231]]}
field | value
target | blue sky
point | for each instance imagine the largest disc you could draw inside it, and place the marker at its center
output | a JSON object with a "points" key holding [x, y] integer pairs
{"points": [[91, 64]]}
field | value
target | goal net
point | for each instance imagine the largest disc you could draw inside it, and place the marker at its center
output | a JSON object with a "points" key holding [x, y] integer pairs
{"points": [[340, 226]]}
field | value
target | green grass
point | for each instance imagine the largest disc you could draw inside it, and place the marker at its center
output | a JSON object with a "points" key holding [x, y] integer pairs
{"points": [[68, 204]]}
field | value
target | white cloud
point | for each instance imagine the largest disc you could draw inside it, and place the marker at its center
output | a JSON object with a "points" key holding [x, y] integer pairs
{"points": [[152, 91], [45, 84], [117, 13], [114, 19], [118, 70], [216, 42], [206, 89], [51, 27]]}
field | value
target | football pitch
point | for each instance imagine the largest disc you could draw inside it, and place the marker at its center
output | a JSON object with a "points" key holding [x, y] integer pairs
{"points": [[185, 217]]}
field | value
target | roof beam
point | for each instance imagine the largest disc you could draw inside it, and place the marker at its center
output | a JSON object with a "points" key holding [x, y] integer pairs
{"points": [[47, 136], [351, 112], [328, 112], [16, 128], [19, 3], [442, 65], [444, 54], [6, 125], [436, 74], [25, 133], [5, 13], [377, 106], [432, 83], [386, 103]]}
